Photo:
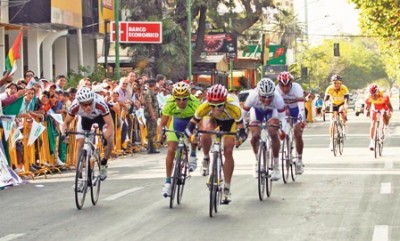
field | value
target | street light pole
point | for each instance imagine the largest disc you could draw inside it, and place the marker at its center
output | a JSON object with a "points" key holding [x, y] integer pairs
{"points": [[189, 41], [230, 57], [116, 16]]}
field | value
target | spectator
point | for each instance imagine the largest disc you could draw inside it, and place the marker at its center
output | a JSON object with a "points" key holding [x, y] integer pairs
{"points": [[60, 82], [318, 105], [151, 113]]}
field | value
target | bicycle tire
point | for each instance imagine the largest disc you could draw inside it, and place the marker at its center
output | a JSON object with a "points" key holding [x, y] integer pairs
{"points": [[293, 162], [183, 167], [262, 171], [174, 181], [269, 164], [95, 179], [376, 140], [381, 139], [81, 179], [213, 187], [285, 157], [219, 182], [340, 138], [334, 139]]}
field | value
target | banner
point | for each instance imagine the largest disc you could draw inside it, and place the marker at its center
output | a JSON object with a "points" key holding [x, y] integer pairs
{"points": [[15, 136], [36, 131], [7, 122], [7, 175], [57, 117]]}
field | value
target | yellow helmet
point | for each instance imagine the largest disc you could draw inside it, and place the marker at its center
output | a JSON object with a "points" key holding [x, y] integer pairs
{"points": [[181, 89]]}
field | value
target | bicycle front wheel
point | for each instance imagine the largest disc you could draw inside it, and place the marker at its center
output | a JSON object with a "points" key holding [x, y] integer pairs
{"points": [[262, 171], [174, 180], [335, 140], [81, 179], [381, 143], [285, 158], [269, 163], [376, 140], [213, 186], [95, 179], [183, 167]]}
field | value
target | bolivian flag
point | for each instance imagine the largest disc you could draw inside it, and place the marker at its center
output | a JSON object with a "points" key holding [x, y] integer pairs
{"points": [[14, 54]]}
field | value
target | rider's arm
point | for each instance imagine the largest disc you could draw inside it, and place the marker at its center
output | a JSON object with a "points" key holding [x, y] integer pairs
{"points": [[109, 131], [163, 123], [68, 119]]}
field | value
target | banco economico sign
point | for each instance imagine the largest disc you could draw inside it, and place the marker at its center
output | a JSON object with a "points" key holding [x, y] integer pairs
{"points": [[138, 32]]}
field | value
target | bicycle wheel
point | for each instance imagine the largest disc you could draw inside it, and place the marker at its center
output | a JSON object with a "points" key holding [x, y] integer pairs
{"points": [[95, 178], [269, 164], [376, 140], [262, 171], [213, 186], [81, 179], [285, 160], [381, 139], [174, 180], [334, 140], [182, 175], [340, 138], [292, 161]]}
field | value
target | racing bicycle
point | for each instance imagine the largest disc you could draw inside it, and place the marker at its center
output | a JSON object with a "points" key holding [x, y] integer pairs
{"points": [[338, 135], [215, 180], [379, 135], [180, 167], [87, 168]]}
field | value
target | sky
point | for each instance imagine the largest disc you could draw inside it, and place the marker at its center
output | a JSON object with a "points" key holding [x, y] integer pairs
{"points": [[327, 18]]}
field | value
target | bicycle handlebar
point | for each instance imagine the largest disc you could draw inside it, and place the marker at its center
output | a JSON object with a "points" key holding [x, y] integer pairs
{"points": [[85, 133]]}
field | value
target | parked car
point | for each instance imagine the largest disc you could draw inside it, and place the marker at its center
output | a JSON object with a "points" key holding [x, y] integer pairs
{"points": [[360, 104]]}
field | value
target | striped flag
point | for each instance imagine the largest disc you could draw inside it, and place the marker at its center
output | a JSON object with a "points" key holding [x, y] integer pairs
{"points": [[14, 54]]}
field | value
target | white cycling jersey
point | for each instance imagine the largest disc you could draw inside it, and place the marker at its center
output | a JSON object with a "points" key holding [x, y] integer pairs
{"points": [[99, 107], [294, 99]]}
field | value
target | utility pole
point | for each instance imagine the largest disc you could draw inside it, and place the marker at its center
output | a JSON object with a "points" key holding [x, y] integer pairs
{"points": [[116, 16], [230, 57], [189, 36]]}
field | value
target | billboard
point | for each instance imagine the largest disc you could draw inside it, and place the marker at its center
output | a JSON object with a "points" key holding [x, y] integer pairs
{"points": [[219, 43], [138, 32], [277, 55]]}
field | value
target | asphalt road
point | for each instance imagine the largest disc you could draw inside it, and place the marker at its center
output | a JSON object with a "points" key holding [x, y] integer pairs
{"points": [[349, 197]]}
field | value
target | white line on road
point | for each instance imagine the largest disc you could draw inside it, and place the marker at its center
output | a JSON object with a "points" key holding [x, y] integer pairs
{"points": [[386, 188], [11, 236], [381, 233], [121, 194], [388, 164]]}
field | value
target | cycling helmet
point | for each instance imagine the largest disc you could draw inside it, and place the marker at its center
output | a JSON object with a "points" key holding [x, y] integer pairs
{"points": [[181, 89], [336, 77], [285, 78], [373, 89], [217, 93], [84, 94], [266, 87]]}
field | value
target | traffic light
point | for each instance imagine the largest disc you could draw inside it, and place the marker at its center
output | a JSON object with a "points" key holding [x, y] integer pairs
{"points": [[336, 50], [304, 73]]}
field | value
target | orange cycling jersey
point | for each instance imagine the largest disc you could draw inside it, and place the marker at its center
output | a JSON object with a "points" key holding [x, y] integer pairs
{"points": [[381, 102]]}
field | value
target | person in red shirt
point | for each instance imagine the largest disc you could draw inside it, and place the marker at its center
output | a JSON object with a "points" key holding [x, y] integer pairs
{"points": [[380, 101]]}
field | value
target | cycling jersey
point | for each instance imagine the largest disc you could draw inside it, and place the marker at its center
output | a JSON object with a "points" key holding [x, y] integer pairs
{"points": [[337, 97], [171, 108], [294, 100], [382, 102], [276, 109], [99, 108], [180, 118], [231, 111]]}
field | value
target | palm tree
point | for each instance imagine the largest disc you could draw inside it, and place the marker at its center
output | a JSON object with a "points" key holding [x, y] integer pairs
{"points": [[287, 27]]}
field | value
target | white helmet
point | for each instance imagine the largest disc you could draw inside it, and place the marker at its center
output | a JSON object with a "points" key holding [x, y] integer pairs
{"points": [[84, 94], [266, 87]]}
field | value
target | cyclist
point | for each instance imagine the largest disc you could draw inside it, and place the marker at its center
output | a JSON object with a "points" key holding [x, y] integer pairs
{"points": [[339, 96], [176, 114], [293, 96], [380, 101], [218, 110], [91, 108], [269, 106]]}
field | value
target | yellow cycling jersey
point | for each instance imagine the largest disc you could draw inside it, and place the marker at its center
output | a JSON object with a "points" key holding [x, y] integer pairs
{"points": [[231, 111], [337, 97]]}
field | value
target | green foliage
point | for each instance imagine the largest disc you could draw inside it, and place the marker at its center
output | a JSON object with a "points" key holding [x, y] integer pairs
{"points": [[98, 74]]}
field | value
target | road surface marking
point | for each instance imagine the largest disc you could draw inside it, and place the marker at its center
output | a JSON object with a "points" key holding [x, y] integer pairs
{"points": [[121, 194], [388, 164], [381, 233], [11, 236], [386, 188]]}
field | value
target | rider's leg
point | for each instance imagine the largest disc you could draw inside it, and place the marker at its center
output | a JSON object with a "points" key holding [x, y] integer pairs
{"points": [[276, 145], [206, 124], [372, 131]]}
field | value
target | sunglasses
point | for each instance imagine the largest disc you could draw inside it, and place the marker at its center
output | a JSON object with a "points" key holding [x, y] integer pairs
{"points": [[87, 104], [267, 97], [125, 83], [181, 99], [219, 105]]}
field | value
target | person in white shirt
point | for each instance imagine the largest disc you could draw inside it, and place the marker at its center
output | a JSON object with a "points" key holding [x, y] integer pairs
{"points": [[293, 95], [269, 106]]}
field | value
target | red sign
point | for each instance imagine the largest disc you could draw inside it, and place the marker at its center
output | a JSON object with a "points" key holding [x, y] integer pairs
{"points": [[138, 32]]}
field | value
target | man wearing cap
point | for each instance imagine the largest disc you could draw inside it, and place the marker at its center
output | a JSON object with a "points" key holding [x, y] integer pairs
{"points": [[151, 113]]}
